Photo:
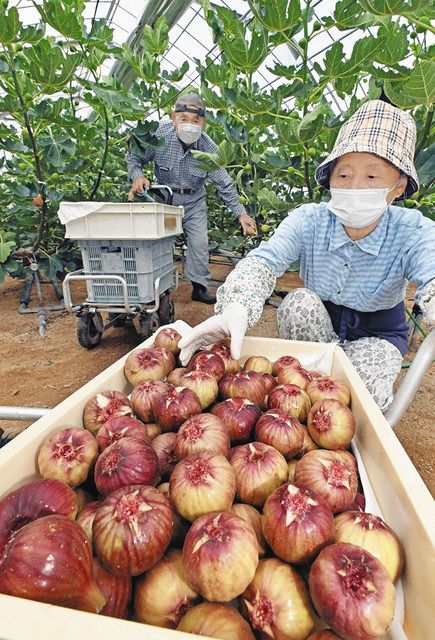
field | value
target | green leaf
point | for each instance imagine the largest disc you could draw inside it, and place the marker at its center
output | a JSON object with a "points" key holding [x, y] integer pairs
{"points": [[4, 67], [363, 54], [13, 146], [311, 124], [395, 93], [395, 44], [261, 104], [348, 14], [32, 34], [150, 68], [131, 58], [7, 245], [51, 265], [118, 101], [269, 200], [50, 66], [212, 72], [276, 15], [9, 24], [212, 100], [375, 91], [157, 37], [395, 73], [57, 148], [421, 83], [226, 152], [262, 120], [345, 86], [100, 35], [236, 133], [7, 268], [287, 131], [207, 161], [21, 190], [283, 71], [177, 74], [425, 164], [65, 16], [142, 138], [383, 7], [243, 52], [333, 59]]}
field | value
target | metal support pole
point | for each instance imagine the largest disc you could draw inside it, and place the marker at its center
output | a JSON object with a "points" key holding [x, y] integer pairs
{"points": [[23, 413]]}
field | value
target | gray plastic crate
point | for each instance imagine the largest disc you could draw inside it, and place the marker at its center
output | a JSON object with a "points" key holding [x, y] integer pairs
{"points": [[139, 262]]}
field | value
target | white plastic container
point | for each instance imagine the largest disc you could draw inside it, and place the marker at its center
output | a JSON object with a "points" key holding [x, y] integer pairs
{"points": [[405, 502], [120, 221]]}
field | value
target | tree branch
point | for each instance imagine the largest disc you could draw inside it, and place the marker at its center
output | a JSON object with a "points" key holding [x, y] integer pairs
{"points": [[104, 158], [425, 132]]}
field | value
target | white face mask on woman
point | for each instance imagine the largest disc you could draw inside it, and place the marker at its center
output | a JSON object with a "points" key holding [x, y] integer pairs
{"points": [[358, 208], [189, 133]]}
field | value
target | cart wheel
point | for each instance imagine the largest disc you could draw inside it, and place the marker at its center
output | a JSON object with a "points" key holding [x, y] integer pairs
{"points": [[120, 322], [88, 334], [149, 323], [166, 309]]}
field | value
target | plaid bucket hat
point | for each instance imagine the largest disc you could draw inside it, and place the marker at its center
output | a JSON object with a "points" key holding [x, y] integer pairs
{"points": [[380, 128]]}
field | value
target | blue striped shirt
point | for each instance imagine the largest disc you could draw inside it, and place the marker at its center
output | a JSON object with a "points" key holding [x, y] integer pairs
{"points": [[176, 167], [366, 275]]}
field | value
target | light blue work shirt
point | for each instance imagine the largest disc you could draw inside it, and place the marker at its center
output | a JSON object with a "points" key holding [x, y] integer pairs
{"points": [[366, 275]]}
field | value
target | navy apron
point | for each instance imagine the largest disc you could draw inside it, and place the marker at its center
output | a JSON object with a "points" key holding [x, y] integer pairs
{"points": [[388, 324]]}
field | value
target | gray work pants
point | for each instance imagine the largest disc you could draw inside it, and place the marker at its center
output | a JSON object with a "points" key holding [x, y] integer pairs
{"points": [[195, 228]]}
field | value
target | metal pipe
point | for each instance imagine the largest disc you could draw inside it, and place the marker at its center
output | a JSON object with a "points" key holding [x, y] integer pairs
{"points": [[28, 284], [23, 413], [57, 307], [412, 380]]}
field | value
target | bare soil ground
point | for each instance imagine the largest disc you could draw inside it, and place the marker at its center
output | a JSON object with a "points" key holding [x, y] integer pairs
{"points": [[41, 372]]}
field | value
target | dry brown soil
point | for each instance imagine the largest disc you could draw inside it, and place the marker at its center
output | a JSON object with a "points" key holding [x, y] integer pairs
{"points": [[41, 372]]}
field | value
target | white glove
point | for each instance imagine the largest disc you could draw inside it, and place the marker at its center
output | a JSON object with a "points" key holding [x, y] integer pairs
{"points": [[430, 312], [231, 323]]}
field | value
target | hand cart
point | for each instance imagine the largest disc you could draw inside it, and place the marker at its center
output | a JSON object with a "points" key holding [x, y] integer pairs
{"points": [[127, 250]]}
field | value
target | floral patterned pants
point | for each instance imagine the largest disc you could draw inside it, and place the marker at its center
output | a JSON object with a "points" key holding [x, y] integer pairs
{"points": [[303, 316]]}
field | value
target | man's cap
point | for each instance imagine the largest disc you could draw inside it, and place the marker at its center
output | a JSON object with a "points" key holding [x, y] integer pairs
{"points": [[192, 103], [380, 128]]}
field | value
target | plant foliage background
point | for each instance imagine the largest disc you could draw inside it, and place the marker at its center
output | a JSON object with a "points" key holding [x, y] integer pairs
{"points": [[48, 148]]}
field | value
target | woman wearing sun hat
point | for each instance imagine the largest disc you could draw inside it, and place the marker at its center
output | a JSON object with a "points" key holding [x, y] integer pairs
{"points": [[357, 253]]}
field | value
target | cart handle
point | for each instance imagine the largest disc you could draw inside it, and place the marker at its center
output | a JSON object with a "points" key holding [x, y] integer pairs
{"points": [[79, 275], [163, 187], [412, 380]]}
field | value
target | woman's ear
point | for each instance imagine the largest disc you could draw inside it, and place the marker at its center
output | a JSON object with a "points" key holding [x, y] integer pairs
{"points": [[398, 189]]}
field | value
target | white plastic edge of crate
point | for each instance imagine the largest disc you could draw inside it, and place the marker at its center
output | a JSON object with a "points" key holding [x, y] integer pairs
{"points": [[77, 218], [403, 498]]}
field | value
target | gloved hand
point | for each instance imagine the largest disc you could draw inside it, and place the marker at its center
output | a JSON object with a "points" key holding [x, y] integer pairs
{"points": [[232, 323], [430, 312]]}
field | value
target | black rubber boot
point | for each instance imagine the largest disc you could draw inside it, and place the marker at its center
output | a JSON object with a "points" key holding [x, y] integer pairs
{"points": [[199, 294]]}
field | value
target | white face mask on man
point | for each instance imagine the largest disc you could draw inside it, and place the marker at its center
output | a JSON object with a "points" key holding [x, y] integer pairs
{"points": [[358, 208], [189, 133]]}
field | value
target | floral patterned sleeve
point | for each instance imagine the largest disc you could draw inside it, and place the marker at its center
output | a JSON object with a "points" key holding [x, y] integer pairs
{"points": [[425, 294], [251, 282]]}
